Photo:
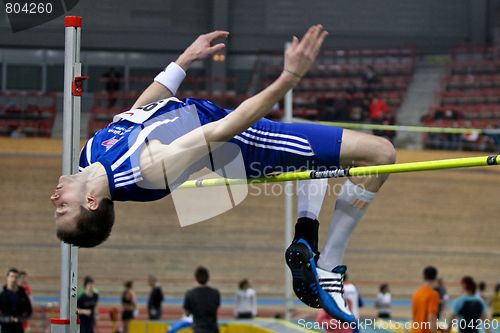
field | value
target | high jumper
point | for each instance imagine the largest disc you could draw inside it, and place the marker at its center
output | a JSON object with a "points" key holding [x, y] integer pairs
{"points": [[150, 150]]}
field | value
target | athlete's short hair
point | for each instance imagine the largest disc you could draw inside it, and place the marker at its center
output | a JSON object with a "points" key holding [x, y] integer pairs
{"points": [[92, 227], [201, 275], [430, 273]]}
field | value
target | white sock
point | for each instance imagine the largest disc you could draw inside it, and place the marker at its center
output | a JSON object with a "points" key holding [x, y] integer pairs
{"points": [[352, 203], [310, 195]]}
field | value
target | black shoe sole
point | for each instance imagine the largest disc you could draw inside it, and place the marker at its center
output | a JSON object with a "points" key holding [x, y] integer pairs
{"points": [[298, 257]]}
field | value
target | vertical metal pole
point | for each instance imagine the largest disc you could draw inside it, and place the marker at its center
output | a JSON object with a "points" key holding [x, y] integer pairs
{"points": [[44, 72], [4, 70], [67, 322], [288, 187]]}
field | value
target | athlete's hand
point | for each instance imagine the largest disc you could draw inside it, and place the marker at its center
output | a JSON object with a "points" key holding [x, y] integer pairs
{"points": [[301, 54], [201, 48]]}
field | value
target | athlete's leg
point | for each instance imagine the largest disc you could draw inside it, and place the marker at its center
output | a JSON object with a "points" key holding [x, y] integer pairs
{"points": [[303, 252], [356, 193], [359, 149], [310, 195], [352, 202]]}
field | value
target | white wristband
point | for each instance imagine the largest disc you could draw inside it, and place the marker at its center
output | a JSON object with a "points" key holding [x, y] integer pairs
{"points": [[171, 77]]}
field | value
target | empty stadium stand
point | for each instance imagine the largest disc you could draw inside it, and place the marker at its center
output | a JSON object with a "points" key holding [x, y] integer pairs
{"points": [[469, 97], [342, 77], [27, 113]]}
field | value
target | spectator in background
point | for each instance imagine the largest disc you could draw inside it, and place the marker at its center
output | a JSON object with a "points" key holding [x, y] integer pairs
{"points": [[443, 296], [494, 138], [383, 302], [15, 305], [469, 308], [155, 299], [87, 304], [245, 304], [425, 304], [470, 141], [202, 302], [352, 296], [112, 81], [481, 291], [331, 325], [129, 305], [353, 302], [114, 316], [17, 133], [22, 281], [370, 79], [379, 113], [495, 303], [82, 289]]}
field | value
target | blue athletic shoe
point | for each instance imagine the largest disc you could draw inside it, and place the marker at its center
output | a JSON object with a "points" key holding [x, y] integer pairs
{"points": [[300, 259], [314, 286]]}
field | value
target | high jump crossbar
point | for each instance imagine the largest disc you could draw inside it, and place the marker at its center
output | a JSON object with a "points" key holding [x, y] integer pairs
{"points": [[454, 163], [68, 321], [418, 129]]}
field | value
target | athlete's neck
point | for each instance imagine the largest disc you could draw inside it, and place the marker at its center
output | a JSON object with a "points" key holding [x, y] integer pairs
{"points": [[96, 179]]}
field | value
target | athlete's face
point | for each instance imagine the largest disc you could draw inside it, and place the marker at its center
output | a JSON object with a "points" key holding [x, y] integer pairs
{"points": [[67, 199]]}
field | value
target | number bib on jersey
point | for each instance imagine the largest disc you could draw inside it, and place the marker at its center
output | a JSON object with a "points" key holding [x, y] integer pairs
{"points": [[143, 113]]}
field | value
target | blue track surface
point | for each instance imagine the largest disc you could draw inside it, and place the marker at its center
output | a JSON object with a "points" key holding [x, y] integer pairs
{"points": [[225, 301]]}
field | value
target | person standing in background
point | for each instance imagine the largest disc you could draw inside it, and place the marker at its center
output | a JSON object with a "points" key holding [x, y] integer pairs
{"points": [[352, 296], [15, 305], [353, 299], [443, 296], [383, 302], [245, 304], [331, 325], [155, 299], [112, 81], [495, 303], [469, 309], [87, 304], [425, 304], [203, 302], [22, 282], [129, 305], [481, 291]]}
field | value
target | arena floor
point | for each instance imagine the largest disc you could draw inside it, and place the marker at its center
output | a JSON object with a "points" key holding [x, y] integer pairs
{"points": [[446, 218]]}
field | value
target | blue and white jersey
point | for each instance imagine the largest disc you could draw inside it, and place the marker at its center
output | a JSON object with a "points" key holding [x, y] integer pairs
{"points": [[266, 146]]}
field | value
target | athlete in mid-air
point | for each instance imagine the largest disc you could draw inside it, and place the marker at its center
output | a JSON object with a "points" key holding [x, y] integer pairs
{"points": [[148, 151]]}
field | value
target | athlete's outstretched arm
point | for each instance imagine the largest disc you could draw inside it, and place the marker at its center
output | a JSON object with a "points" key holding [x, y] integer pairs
{"points": [[201, 48], [298, 59], [176, 156]]}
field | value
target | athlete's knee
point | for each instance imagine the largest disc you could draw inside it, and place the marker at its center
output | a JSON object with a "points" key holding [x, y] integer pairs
{"points": [[385, 152]]}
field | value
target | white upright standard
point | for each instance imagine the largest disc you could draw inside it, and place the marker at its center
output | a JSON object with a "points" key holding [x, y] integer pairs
{"points": [[67, 321]]}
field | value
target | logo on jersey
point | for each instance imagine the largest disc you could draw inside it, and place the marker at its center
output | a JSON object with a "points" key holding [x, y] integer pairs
{"points": [[110, 142]]}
